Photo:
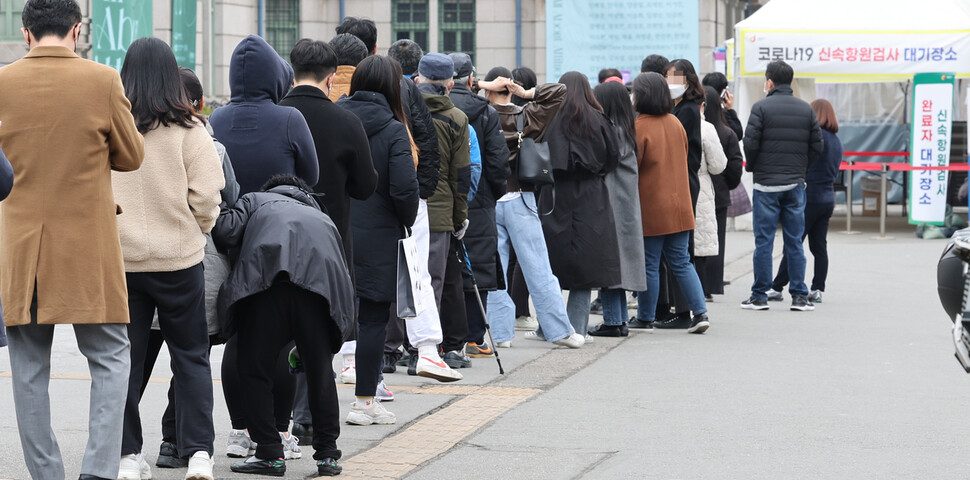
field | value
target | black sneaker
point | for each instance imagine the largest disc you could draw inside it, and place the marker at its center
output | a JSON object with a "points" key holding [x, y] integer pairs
{"points": [[678, 322], [404, 361], [640, 324], [413, 365], [801, 303], [328, 467], [389, 363], [753, 303], [456, 359], [596, 307], [699, 324], [303, 432], [272, 468], [604, 330], [168, 457]]}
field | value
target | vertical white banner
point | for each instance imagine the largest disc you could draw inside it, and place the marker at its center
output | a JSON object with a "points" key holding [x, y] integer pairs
{"points": [[932, 130]]}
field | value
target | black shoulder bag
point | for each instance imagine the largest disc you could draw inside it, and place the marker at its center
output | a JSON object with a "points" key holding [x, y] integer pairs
{"points": [[535, 162]]}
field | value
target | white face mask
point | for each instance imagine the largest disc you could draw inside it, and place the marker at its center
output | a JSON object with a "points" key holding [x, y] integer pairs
{"points": [[677, 90]]}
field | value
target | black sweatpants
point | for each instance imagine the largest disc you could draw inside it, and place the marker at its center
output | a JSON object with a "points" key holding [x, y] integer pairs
{"points": [[476, 323], [267, 322], [817, 217], [454, 320], [237, 392], [711, 269], [372, 331], [155, 342], [179, 299]]}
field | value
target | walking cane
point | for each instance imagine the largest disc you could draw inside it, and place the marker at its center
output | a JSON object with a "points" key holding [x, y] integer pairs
{"points": [[463, 259]]}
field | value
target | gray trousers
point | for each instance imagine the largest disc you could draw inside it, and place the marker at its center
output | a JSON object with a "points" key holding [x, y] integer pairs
{"points": [[108, 353], [577, 309]]}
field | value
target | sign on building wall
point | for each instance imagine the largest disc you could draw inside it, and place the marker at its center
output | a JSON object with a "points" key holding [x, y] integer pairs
{"points": [[856, 54], [932, 123], [589, 35], [183, 32], [117, 23]]}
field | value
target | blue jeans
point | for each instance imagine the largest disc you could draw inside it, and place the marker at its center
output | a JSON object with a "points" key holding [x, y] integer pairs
{"points": [[614, 306], [518, 225], [768, 209], [674, 248]]}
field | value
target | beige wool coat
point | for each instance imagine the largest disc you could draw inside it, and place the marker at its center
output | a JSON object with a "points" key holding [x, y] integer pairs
{"points": [[66, 125]]}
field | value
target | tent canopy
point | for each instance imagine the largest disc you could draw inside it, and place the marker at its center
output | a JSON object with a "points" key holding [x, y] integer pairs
{"points": [[857, 40]]}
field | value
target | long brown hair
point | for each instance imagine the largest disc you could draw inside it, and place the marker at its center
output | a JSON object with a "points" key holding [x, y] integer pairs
{"points": [[825, 114], [579, 106]]}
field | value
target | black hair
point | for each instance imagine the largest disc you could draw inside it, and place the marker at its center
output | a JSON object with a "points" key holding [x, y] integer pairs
{"points": [[654, 63], [651, 96], [152, 84], [349, 49], [526, 77], [694, 89], [713, 111], [285, 179], [50, 17], [312, 59], [382, 75], [408, 53], [716, 80], [615, 100], [363, 28], [579, 106], [607, 73], [496, 72], [779, 72], [192, 86]]}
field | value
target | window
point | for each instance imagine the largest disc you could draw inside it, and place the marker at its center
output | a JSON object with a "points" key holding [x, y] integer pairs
{"points": [[282, 25], [409, 20], [10, 23], [456, 24]]}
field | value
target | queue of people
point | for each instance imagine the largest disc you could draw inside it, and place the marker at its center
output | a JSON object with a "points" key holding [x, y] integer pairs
{"points": [[275, 226]]}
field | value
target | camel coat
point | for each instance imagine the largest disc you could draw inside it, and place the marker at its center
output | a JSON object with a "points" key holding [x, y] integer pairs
{"points": [[665, 204], [66, 125]]}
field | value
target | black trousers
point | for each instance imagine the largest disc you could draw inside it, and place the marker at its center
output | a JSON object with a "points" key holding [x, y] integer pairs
{"points": [[454, 321], [711, 269], [179, 299], [817, 217], [372, 332], [397, 336], [476, 323], [236, 391], [267, 323], [155, 341]]}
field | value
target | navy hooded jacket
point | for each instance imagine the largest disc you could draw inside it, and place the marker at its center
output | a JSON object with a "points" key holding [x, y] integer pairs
{"points": [[263, 139]]}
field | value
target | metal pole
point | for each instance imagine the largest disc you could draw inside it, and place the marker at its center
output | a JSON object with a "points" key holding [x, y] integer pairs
{"points": [[883, 204], [848, 200]]}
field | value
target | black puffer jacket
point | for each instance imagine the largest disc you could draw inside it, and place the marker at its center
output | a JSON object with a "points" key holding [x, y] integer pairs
{"points": [[284, 234], [481, 239], [782, 138], [729, 179], [378, 222], [425, 137], [689, 114]]}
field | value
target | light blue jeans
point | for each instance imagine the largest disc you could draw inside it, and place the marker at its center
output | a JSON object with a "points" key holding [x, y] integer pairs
{"points": [[519, 227], [674, 247]]}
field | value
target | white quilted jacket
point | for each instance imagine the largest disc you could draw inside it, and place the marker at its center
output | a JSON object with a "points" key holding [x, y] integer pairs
{"points": [[713, 162]]}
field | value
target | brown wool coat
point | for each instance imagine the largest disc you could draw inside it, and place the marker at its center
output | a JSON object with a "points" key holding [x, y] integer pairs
{"points": [[665, 205], [66, 125]]}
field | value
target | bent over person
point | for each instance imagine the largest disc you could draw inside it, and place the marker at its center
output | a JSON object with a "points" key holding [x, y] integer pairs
{"points": [[60, 255]]}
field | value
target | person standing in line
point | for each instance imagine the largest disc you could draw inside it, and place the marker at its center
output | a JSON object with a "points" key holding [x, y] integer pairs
{"points": [[408, 54], [713, 162], [819, 203], [346, 169], [719, 83], [665, 203], [711, 269], [781, 141], [263, 140], [163, 257], [481, 239], [60, 254], [350, 51], [517, 216], [622, 185], [448, 207], [300, 292], [580, 230]]}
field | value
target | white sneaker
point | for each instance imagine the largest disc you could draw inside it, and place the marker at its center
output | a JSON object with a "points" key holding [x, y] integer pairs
{"points": [[573, 341], [774, 295], [349, 374], [361, 414], [432, 366], [526, 323], [383, 393], [291, 446], [589, 339], [240, 445], [200, 467], [534, 335], [505, 344], [134, 467]]}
